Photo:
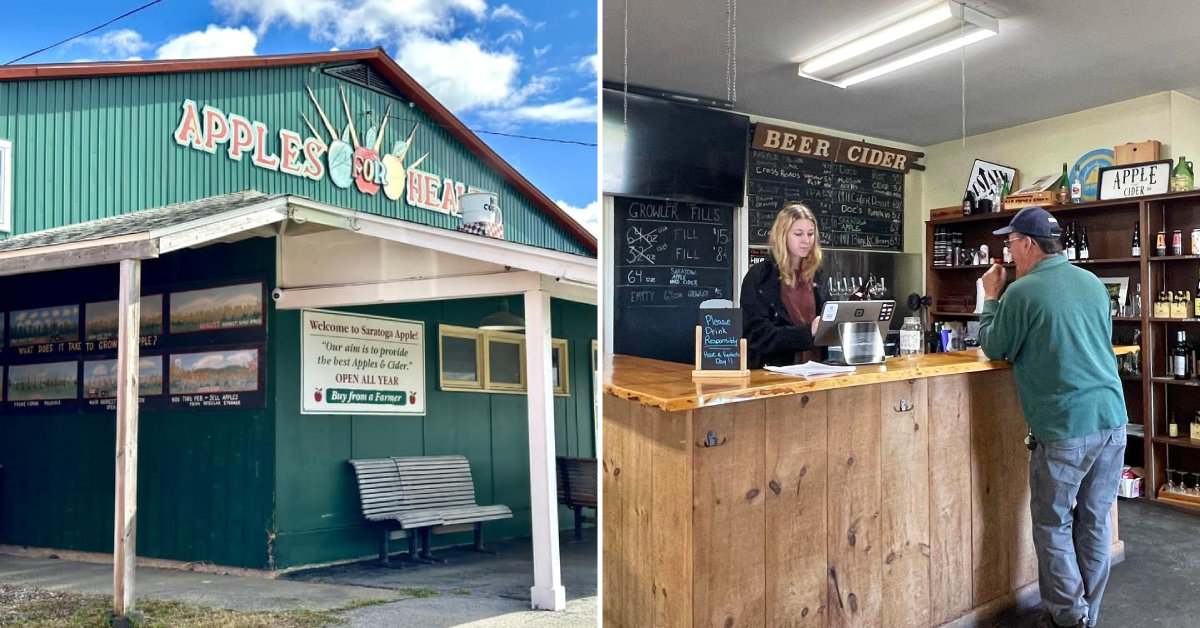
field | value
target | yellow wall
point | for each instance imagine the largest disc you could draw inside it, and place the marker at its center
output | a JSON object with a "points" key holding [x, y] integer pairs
{"points": [[1041, 147]]}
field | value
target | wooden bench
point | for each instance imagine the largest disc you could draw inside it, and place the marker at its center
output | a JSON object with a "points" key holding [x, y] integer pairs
{"points": [[577, 487], [421, 494]]}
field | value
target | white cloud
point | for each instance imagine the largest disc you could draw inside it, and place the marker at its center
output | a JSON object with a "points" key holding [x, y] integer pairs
{"points": [[541, 52], [589, 65], [215, 41], [119, 43], [345, 21], [505, 11], [575, 109], [460, 73], [588, 216], [517, 37]]}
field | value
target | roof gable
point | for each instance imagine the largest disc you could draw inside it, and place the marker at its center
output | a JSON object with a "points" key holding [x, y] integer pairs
{"points": [[383, 75]]}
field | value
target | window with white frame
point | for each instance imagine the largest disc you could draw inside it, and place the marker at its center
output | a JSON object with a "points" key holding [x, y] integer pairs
{"points": [[6, 186]]}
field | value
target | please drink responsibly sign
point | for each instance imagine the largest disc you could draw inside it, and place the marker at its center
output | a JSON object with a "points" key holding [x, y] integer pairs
{"points": [[356, 364]]}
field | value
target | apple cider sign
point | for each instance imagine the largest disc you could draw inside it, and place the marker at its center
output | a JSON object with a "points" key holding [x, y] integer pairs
{"points": [[345, 158], [355, 364]]}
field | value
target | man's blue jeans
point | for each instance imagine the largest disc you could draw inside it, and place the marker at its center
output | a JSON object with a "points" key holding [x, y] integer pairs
{"points": [[1073, 483]]}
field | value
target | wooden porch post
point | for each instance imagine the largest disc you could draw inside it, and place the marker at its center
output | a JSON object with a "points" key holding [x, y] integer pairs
{"points": [[128, 338], [547, 592]]}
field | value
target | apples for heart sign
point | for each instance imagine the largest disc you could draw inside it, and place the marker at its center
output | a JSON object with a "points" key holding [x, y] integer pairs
{"points": [[356, 364], [347, 160]]}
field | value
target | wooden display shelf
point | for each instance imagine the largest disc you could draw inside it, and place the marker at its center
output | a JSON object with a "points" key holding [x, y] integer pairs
{"points": [[953, 314], [1109, 225], [1107, 260], [1174, 258], [1131, 204], [1178, 441], [970, 267], [1175, 382], [1178, 501]]}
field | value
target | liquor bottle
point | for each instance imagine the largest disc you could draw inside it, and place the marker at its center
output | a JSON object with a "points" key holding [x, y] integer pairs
{"points": [[1064, 187], [969, 203], [1135, 247], [1004, 191], [1179, 356], [1181, 176], [1076, 190], [1196, 302], [1173, 426], [1083, 245]]}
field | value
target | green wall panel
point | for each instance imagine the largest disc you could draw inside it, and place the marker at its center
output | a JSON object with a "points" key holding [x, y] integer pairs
{"points": [[318, 516], [92, 148], [205, 477]]}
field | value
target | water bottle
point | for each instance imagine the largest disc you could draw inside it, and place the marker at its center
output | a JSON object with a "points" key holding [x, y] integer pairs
{"points": [[910, 337]]}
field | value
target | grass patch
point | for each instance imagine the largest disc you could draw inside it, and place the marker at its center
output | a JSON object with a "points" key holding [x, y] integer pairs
{"points": [[362, 604], [418, 592], [28, 607]]}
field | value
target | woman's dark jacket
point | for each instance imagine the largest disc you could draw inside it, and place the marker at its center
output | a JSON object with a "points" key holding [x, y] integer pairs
{"points": [[771, 335]]}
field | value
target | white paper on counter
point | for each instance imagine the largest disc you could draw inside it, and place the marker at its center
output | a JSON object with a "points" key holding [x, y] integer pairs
{"points": [[810, 369]]}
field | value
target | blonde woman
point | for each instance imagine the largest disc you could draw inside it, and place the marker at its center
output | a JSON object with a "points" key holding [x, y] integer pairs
{"points": [[782, 295]]}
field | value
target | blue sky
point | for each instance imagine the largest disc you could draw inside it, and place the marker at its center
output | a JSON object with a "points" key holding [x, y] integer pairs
{"points": [[526, 67]]}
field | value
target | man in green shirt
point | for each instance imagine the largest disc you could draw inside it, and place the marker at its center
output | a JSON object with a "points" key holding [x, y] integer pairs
{"points": [[1053, 324]]}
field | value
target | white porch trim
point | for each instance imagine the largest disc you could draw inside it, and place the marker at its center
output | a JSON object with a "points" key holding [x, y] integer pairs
{"points": [[555, 264], [547, 592]]}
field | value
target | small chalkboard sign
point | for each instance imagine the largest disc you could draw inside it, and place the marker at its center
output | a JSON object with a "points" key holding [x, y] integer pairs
{"points": [[720, 348]]}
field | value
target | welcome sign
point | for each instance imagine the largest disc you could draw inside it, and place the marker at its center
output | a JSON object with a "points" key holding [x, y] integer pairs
{"points": [[345, 158], [357, 364]]}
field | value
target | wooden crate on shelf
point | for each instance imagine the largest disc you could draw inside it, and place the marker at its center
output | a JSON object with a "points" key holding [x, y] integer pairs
{"points": [[1014, 202], [1137, 152], [942, 213]]}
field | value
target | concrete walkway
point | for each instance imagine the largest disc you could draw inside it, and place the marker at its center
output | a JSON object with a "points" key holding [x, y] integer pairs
{"points": [[471, 589]]}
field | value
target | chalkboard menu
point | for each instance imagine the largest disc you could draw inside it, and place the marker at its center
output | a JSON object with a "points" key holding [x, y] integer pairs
{"points": [[856, 207], [720, 339], [668, 258]]}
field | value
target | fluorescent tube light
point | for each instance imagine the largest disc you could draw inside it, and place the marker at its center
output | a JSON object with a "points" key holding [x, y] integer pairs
{"points": [[941, 28], [882, 37], [954, 43]]}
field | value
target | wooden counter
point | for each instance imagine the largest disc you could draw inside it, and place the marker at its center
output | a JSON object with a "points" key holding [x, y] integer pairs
{"points": [[669, 385], [896, 496]]}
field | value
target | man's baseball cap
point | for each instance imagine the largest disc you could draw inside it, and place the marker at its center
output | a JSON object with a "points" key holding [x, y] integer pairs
{"points": [[1032, 221]]}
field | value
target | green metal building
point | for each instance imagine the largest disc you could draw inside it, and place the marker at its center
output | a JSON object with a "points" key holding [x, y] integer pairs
{"points": [[275, 178]]}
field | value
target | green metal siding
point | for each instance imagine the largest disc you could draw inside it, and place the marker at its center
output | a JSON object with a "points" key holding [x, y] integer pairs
{"points": [[92, 148], [205, 477], [318, 517]]}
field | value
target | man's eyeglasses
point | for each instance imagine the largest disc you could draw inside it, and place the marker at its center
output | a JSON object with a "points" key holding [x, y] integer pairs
{"points": [[1010, 240]]}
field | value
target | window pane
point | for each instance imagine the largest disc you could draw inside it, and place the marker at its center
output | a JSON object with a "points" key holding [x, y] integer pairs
{"points": [[504, 362], [555, 356], [458, 359]]}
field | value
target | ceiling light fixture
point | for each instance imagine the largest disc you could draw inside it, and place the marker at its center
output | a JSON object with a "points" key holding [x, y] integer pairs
{"points": [[942, 27]]}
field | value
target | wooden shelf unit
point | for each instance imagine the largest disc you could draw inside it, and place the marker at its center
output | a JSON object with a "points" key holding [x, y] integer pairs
{"points": [[1110, 228]]}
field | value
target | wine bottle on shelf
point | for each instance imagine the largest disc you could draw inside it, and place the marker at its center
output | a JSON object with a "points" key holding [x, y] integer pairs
{"points": [[1173, 426], [1179, 356], [969, 203], [1135, 248], [1083, 245], [1070, 243], [1064, 187]]}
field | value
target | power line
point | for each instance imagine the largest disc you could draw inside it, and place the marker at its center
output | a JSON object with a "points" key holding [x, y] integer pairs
{"points": [[88, 31], [523, 137], [540, 139]]}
